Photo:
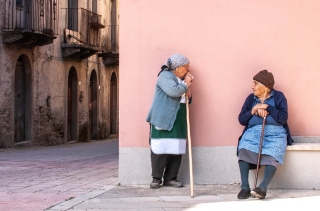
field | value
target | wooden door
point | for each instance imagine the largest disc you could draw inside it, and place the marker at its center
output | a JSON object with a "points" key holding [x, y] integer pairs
{"points": [[19, 103], [69, 115]]}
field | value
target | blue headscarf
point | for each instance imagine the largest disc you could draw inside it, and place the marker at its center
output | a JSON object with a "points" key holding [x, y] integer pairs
{"points": [[174, 61]]}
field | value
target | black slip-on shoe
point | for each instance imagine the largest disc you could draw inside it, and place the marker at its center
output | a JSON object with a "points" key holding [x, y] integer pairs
{"points": [[257, 192], [244, 194], [173, 183], [155, 183]]}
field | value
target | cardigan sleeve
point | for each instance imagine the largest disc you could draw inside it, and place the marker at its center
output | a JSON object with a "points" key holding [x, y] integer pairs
{"points": [[279, 112], [245, 113], [169, 85]]}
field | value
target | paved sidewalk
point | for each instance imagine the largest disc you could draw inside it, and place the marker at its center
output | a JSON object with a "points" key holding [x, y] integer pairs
{"points": [[207, 197], [84, 177], [35, 178]]}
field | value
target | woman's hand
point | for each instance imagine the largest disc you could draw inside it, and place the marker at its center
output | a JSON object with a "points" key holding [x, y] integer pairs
{"points": [[188, 93], [260, 110], [188, 79]]}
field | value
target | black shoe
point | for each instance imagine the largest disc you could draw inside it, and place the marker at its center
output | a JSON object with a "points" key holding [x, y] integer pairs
{"points": [[155, 183], [173, 183], [244, 194], [257, 192]]}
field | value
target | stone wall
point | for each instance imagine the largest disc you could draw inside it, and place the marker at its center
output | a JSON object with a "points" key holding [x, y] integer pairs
{"points": [[49, 89]]}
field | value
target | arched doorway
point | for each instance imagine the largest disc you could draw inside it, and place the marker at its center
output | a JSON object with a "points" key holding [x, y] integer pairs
{"points": [[22, 100], [113, 104], [72, 113], [93, 106]]}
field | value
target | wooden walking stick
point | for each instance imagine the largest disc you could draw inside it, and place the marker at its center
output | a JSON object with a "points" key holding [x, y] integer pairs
{"points": [[260, 150], [189, 147]]}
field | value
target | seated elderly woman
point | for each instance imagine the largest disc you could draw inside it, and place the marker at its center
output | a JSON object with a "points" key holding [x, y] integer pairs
{"points": [[272, 104]]}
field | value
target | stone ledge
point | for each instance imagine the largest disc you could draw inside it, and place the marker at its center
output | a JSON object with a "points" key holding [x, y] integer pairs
{"points": [[306, 139], [305, 143], [23, 144], [304, 147]]}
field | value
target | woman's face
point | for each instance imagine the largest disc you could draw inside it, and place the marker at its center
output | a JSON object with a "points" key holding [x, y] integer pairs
{"points": [[181, 71], [259, 90]]}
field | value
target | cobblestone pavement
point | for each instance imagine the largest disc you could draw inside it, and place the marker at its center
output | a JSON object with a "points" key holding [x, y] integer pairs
{"points": [[35, 178]]}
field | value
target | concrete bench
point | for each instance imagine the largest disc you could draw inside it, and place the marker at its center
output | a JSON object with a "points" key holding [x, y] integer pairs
{"points": [[301, 169]]}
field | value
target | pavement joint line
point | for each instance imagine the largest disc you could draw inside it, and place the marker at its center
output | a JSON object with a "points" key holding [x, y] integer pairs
{"points": [[79, 199], [213, 197], [141, 199]]}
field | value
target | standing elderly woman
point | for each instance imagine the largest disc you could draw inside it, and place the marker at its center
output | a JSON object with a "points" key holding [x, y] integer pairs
{"points": [[168, 123], [272, 104]]}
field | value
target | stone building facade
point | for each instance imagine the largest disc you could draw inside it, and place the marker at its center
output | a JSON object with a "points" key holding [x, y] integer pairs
{"points": [[59, 71]]}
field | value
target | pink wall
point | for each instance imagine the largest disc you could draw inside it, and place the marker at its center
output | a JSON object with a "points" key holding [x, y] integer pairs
{"points": [[227, 42]]}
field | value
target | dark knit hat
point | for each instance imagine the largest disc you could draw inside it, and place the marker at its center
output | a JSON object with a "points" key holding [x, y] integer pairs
{"points": [[265, 77]]}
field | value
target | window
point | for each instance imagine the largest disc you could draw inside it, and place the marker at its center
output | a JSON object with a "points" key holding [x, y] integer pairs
{"points": [[19, 3]]}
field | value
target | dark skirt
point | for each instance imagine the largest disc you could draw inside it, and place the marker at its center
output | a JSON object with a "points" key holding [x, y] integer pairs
{"points": [[252, 158]]}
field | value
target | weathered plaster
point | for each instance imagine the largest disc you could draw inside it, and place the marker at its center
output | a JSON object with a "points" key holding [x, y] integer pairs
{"points": [[49, 82]]}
